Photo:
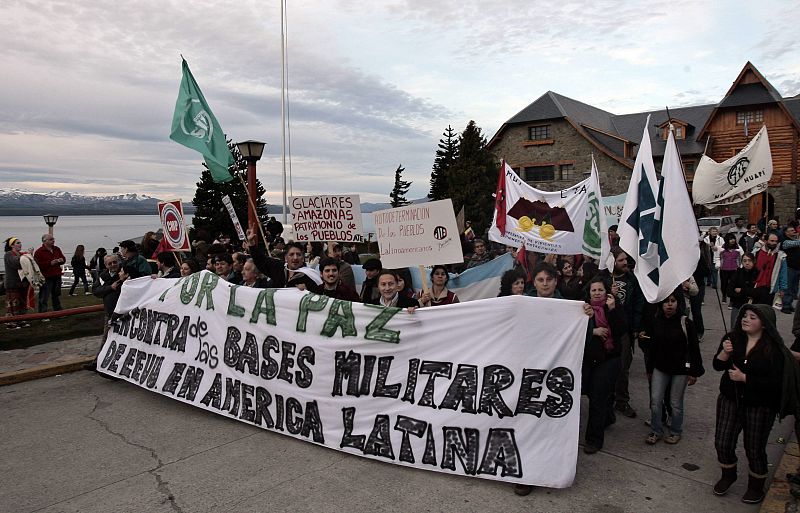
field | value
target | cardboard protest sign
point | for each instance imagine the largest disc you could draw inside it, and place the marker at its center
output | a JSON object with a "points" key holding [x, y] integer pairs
{"points": [[497, 400], [423, 234], [327, 218], [171, 214]]}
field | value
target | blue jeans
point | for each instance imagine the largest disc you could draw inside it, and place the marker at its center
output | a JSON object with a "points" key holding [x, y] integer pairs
{"points": [[658, 385], [712, 278], [790, 294]]}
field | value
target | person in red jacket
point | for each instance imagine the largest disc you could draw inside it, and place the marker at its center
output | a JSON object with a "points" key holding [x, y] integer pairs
{"points": [[50, 259]]}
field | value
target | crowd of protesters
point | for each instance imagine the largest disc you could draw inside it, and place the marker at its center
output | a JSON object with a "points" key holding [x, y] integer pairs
{"points": [[751, 270]]}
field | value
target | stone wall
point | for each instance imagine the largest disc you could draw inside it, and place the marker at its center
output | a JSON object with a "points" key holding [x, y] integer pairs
{"points": [[568, 147]]}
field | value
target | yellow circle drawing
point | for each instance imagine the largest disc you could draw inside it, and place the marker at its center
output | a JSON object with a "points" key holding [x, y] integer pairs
{"points": [[547, 231], [525, 224]]}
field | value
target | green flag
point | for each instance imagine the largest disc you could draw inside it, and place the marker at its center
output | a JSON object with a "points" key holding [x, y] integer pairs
{"points": [[194, 126]]}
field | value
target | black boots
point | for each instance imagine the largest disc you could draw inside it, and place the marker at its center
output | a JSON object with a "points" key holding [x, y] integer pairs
{"points": [[755, 490], [725, 482]]}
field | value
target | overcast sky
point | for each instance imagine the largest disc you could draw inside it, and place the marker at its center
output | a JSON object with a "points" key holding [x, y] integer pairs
{"points": [[89, 88]]}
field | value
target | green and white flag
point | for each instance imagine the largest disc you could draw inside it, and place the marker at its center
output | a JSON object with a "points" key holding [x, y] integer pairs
{"points": [[595, 230], [194, 126]]}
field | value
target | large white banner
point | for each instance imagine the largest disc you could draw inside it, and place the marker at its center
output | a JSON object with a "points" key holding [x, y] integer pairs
{"points": [[737, 178], [468, 389], [418, 234], [334, 218], [546, 222], [612, 208]]}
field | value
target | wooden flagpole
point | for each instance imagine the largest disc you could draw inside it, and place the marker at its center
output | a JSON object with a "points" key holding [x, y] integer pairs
{"points": [[253, 206]]}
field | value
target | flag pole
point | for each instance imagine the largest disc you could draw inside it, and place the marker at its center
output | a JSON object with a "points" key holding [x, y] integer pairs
{"points": [[253, 206]]}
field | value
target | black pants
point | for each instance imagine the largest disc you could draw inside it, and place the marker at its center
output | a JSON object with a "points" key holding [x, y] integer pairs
{"points": [[52, 289], [725, 279], [696, 303], [82, 277], [762, 296], [598, 385]]}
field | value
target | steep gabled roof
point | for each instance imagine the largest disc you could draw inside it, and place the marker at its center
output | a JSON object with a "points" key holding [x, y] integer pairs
{"points": [[631, 126], [749, 88]]}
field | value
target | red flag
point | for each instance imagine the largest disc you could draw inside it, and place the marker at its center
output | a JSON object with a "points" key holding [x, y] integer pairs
{"points": [[162, 246], [522, 259], [500, 199]]}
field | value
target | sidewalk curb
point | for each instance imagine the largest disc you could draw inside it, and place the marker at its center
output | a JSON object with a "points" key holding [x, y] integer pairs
{"points": [[44, 371], [778, 499]]}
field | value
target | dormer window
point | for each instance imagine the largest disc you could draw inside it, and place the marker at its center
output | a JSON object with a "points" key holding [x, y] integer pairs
{"points": [[678, 126]]}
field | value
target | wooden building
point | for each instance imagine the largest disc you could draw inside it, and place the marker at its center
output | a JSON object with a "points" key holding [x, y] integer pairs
{"points": [[550, 142]]}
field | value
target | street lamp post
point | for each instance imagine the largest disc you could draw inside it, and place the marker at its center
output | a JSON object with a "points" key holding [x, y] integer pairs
{"points": [[251, 151], [50, 220]]}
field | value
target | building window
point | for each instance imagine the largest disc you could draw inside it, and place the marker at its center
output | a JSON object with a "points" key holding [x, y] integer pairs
{"points": [[539, 173], [752, 116], [678, 132], [539, 133], [567, 171]]}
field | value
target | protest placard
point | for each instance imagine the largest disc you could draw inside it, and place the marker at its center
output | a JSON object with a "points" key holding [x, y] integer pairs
{"points": [[226, 200], [498, 400], [327, 218], [612, 208], [171, 215], [424, 234]]}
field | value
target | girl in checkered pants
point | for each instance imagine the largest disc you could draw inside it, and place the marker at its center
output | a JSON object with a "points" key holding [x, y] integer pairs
{"points": [[751, 359]]}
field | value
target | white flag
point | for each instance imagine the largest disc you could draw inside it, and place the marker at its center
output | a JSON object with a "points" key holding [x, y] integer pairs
{"points": [[737, 178], [657, 227], [595, 230]]}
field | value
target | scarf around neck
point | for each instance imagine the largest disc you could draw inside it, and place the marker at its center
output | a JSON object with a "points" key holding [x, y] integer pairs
{"points": [[600, 320]]}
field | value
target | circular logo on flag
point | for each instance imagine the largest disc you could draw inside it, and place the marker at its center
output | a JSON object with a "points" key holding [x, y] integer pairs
{"points": [[439, 233], [737, 171], [173, 225]]}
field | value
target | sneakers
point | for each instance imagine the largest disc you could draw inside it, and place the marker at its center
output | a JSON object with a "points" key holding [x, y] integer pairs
{"points": [[626, 410], [652, 438], [672, 439]]}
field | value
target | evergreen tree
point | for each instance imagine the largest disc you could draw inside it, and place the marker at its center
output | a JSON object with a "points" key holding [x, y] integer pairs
{"points": [[445, 158], [472, 179], [398, 194], [211, 214]]}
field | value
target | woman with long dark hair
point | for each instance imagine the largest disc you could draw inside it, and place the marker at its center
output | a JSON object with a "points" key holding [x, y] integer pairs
{"points": [[674, 363], [601, 360], [751, 360], [438, 294], [569, 283], [79, 270]]}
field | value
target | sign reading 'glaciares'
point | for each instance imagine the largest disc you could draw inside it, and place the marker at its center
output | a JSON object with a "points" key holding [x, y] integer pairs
{"points": [[495, 401], [420, 234], [327, 218]]}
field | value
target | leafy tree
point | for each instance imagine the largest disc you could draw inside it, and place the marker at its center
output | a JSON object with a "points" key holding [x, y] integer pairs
{"points": [[211, 214], [398, 194], [472, 178], [445, 158]]}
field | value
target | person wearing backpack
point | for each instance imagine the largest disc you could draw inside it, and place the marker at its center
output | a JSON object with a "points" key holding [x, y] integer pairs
{"points": [[675, 363]]}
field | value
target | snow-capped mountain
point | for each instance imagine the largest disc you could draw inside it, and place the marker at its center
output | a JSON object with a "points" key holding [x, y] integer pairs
{"points": [[22, 202]]}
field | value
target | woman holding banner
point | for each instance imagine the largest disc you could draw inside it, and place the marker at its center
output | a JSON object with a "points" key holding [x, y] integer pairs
{"points": [[438, 295], [601, 360]]}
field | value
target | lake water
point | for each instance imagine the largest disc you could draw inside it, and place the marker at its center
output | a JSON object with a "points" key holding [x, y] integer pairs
{"points": [[91, 231]]}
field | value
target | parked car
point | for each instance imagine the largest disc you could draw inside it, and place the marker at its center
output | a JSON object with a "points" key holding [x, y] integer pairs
{"points": [[723, 223]]}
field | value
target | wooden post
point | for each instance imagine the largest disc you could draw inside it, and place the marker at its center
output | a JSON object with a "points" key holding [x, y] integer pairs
{"points": [[422, 278]]}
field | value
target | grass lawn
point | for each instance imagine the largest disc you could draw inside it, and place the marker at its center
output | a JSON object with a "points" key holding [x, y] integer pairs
{"points": [[63, 328]]}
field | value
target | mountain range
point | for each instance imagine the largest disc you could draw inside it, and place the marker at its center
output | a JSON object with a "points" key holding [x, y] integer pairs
{"points": [[18, 202]]}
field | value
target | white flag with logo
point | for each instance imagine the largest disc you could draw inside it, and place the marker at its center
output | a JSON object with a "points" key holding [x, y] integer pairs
{"points": [[595, 230], [737, 178], [657, 227]]}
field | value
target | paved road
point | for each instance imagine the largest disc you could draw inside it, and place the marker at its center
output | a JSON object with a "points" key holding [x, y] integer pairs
{"points": [[79, 442]]}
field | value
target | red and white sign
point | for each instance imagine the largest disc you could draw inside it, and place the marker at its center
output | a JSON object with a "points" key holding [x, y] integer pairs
{"points": [[171, 214]]}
